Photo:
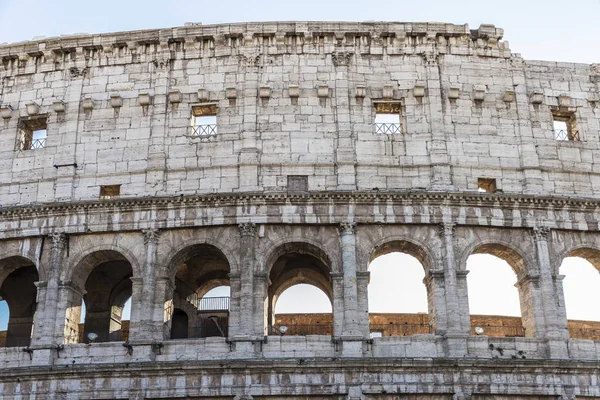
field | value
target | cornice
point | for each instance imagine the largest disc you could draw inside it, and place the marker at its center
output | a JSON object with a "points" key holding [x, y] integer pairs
{"points": [[448, 199]]}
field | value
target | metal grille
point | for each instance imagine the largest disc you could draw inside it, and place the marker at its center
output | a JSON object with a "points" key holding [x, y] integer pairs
{"points": [[563, 136], [38, 143], [204, 130], [387, 128]]}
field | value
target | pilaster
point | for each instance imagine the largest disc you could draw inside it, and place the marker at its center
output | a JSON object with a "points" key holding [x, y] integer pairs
{"points": [[247, 263], [348, 251]]}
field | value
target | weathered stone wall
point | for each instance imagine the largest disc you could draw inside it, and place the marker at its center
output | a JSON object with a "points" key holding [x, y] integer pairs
{"points": [[468, 111], [294, 100]]}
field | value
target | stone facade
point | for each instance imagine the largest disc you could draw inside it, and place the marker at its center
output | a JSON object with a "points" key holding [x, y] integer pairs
{"points": [[111, 188]]}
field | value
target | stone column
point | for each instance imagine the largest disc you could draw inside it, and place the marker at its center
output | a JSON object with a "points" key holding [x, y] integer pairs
{"points": [[247, 263], [138, 314], [68, 313], [261, 289], [40, 313], [453, 309], [49, 335], [556, 331], [438, 317], [362, 280], [162, 311], [348, 247], [234, 303], [337, 306], [147, 308], [438, 153]]}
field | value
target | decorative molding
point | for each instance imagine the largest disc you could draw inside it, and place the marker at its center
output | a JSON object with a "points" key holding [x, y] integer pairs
{"points": [[151, 236], [540, 233], [347, 228], [341, 58], [59, 240], [446, 229], [247, 229]]}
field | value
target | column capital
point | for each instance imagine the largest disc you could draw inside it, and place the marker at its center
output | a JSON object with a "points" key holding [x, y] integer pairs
{"points": [[59, 240], [336, 276], [347, 228], [540, 233], [151, 235], [247, 229], [446, 229]]}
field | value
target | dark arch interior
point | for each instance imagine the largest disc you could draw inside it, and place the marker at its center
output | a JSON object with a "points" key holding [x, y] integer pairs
{"points": [[199, 268], [107, 288], [19, 292]]}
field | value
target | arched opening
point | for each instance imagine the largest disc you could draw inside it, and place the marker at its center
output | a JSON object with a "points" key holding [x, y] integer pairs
{"points": [[581, 283], [300, 274], [104, 278], [398, 300], [19, 293], [499, 307], [201, 295], [303, 309]]}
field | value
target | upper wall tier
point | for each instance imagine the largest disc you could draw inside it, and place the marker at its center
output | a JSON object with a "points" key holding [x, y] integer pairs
{"points": [[298, 106]]}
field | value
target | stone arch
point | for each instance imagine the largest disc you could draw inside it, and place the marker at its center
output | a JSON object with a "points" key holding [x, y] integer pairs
{"points": [[505, 250], [307, 246], [100, 276], [522, 265], [84, 262], [18, 277], [191, 248], [295, 262], [406, 324], [194, 269], [403, 244], [587, 251]]}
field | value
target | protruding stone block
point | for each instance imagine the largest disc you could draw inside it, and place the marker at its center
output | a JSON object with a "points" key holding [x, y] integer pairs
{"points": [[264, 92], [479, 93], [294, 91], [58, 106], [144, 99], [174, 96], [87, 104], [32, 108], [323, 91], [388, 92], [537, 97], [509, 96], [419, 91], [231, 93], [203, 95], [6, 111], [116, 101], [361, 91], [453, 92], [564, 100]]}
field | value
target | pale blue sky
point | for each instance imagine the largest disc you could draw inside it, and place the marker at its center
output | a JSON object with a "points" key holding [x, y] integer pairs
{"points": [[544, 30]]}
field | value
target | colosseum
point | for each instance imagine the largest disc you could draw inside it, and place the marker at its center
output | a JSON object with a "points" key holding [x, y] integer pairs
{"points": [[157, 165]]}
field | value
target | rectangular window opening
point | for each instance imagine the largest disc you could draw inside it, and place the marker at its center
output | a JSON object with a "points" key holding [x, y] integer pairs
{"points": [[297, 183], [204, 120], [565, 126], [33, 132], [109, 191], [387, 118], [486, 185], [376, 334]]}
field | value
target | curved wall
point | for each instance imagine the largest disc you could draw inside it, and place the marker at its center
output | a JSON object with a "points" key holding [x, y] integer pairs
{"points": [[293, 99]]}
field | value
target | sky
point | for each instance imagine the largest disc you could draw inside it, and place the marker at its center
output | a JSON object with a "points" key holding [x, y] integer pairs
{"points": [[539, 30]]}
